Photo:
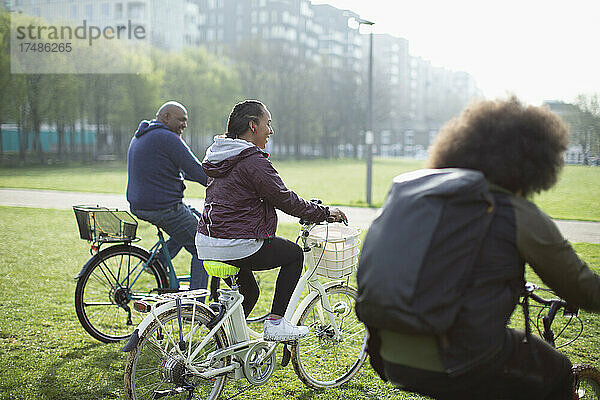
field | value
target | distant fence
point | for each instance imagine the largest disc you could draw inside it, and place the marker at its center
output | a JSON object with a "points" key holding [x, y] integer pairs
{"points": [[48, 138]]}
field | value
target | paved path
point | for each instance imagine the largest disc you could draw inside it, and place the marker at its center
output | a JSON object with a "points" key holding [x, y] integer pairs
{"points": [[574, 231]]}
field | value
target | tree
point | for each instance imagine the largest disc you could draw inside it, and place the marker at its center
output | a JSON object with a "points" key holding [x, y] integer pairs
{"points": [[312, 106], [62, 110], [5, 105], [586, 132], [206, 87]]}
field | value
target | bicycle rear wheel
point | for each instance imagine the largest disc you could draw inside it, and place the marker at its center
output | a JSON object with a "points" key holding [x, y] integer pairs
{"points": [[155, 368], [587, 382], [110, 282], [319, 359]]}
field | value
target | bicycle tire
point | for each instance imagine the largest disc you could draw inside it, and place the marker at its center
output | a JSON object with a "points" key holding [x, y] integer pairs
{"points": [[587, 382], [155, 366], [319, 360], [102, 304]]}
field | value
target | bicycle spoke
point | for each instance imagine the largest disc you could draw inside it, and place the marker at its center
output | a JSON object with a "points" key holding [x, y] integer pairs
{"points": [[157, 364], [320, 359], [102, 279], [107, 268]]}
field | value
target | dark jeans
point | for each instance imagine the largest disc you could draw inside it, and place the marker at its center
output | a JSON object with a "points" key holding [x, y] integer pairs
{"points": [[531, 370], [180, 223], [275, 252]]}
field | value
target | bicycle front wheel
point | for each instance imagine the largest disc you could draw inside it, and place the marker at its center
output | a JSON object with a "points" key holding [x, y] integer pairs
{"points": [[114, 278], [320, 359], [155, 368], [587, 382]]}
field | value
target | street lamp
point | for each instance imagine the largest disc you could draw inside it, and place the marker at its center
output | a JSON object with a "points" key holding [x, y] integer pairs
{"points": [[369, 139]]}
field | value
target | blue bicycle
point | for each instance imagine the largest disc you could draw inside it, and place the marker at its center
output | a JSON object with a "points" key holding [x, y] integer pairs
{"points": [[117, 275]]}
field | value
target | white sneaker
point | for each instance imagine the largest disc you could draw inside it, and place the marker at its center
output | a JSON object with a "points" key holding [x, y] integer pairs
{"points": [[281, 330]]}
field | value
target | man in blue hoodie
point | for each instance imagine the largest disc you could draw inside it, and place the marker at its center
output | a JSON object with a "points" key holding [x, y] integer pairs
{"points": [[158, 161]]}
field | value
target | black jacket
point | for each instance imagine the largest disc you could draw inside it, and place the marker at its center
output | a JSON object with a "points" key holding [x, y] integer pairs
{"points": [[519, 233]]}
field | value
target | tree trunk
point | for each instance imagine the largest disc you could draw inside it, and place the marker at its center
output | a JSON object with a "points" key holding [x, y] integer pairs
{"points": [[1, 144], [23, 138], [72, 141], [60, 132], [37, 141]]}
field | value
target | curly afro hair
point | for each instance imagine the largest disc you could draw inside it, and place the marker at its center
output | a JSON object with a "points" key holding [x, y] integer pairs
{"points": [[517, 147]]}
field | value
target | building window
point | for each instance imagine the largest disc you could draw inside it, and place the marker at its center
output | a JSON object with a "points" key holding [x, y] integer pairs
{"points": [[136, 11], [105, 10], [89, 11], [118, 10]]}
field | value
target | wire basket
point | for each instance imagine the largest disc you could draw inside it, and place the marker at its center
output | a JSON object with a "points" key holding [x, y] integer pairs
{"points": [[101, 224], [336, 250]]}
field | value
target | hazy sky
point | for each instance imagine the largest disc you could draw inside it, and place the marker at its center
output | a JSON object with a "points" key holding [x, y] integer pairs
{"points": [[536, 49]]}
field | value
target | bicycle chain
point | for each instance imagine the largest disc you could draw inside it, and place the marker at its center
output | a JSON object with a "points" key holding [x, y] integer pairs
{"points": [[240, 392]]}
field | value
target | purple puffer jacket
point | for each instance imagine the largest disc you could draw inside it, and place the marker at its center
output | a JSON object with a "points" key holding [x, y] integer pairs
{"points": [[243, 192]]}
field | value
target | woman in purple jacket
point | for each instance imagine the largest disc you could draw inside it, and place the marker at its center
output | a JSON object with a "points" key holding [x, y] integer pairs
{"points": [[239, 221]]}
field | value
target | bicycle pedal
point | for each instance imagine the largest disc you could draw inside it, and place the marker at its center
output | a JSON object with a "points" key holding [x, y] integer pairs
{"points": [[287, 356]]}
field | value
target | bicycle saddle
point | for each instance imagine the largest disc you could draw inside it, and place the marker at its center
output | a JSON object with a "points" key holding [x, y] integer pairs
{"points": [[220, 269]]}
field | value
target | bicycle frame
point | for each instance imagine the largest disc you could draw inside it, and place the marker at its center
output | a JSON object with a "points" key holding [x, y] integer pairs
{"points": [[237, 329], [161, 244]]}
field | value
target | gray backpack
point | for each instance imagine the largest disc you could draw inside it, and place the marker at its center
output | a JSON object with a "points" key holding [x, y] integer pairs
{"points": [[419, 252]]}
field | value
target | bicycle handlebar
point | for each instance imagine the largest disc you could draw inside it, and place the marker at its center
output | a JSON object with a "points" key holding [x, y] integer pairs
{"points": [[553, 306], [306, 223]]}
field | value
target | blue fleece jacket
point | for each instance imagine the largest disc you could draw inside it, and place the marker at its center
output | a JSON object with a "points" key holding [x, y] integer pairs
{"points": [[158, 161]]}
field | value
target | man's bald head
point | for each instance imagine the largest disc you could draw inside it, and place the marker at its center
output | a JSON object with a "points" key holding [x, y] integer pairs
{"points": [[173, 115]]}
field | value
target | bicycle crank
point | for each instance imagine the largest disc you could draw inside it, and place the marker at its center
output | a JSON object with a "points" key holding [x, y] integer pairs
{"points": [[259, 364]]}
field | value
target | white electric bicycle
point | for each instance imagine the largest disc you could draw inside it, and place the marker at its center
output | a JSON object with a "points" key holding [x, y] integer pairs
{"points": [[186, 349]]}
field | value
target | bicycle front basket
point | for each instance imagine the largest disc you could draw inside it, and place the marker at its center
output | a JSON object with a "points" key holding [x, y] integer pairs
{"points": [[336, 250], [101, 224]]}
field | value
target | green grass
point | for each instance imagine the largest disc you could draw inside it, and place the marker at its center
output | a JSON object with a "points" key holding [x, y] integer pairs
{"points": [[338, 182], [45, 354], [334, 181], [575, 196]]}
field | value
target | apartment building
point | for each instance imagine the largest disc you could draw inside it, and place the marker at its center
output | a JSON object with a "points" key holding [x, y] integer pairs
{"points": [[339, 42], [412, 98], [172, 24], [224, 25]]}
